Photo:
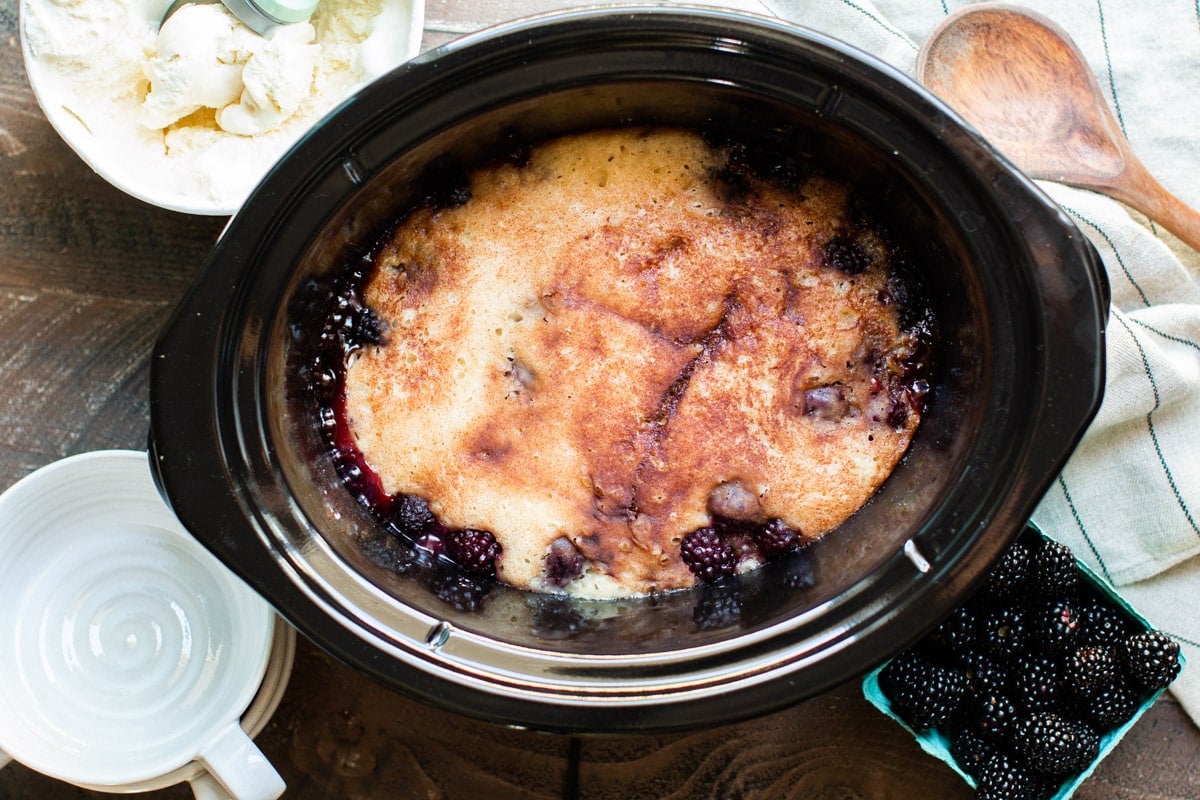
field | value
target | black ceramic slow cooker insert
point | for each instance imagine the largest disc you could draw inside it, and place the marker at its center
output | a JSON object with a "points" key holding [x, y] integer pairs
{"points": [[1019, 295]]}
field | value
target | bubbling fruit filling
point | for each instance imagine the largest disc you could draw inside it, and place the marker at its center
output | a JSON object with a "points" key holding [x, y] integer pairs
{"points": [[625, 362]]}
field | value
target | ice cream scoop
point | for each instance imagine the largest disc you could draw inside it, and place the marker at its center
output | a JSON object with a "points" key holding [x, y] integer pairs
{"points": [[258, 15]]}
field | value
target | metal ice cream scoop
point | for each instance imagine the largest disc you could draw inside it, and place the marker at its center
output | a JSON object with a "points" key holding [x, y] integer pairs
{"points": [[257, 15]]}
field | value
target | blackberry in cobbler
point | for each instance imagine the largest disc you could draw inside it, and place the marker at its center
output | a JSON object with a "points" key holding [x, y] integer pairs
{"points": [[708, 555], [845, 254], [412, 515], [720, 606], [775, 538], [473, 550], [564, 562]]}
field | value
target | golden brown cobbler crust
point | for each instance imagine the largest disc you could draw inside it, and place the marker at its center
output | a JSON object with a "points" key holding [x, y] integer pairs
{"points": [[603, 335]]}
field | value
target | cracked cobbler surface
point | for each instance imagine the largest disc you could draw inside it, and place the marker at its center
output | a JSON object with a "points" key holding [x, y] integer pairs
{"points": [[632, 365]]}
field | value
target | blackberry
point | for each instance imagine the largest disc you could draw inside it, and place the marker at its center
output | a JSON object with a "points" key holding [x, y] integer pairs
{"points": [[391, 554], [846, 255], [970, 750], [360, 326], [906, 669], [1109, 708], [564, 562], [412, 515], [474, 550], [1054, 571], [459, 589], [1091, 669], [1102, 624], [827, 402], [1003, 633], [707, 555], [984, 674], [1089, 743], [775, 538], [924, 693], [357, 480], [1052, 744], [1055, 624], [992, 716], [1152, 659], [719, 606], [957, 633], [1004, 777], [1008, 575], [1033, 682]]}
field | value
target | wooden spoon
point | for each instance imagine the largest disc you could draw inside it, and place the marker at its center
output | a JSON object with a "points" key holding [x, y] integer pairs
{"points": [[1021, 81]]}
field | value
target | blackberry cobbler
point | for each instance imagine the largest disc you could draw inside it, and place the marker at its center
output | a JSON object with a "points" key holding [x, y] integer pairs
{"points": [[623, 362]]}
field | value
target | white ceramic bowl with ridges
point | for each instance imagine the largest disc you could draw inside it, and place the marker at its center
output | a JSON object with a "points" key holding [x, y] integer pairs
{"points": [[127, 651]]}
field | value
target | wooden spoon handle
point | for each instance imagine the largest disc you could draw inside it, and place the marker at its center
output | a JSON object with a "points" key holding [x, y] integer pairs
{"points": [[1141, 191]]}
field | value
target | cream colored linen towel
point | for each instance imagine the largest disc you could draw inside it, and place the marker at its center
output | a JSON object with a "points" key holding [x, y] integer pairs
{"points": [[1128, 502]]}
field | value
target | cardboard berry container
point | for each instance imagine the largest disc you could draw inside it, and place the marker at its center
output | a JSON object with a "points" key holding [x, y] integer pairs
{"points": [[937, 743]]}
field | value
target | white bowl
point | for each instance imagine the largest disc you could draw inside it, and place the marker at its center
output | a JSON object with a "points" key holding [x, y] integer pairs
{"points": [[84, 62], [128, 653]]}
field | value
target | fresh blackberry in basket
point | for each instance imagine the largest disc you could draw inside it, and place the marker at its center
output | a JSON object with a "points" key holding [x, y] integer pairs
{"points": [[1054, 571], [1053, 745], [707, 555], [924, 693], [1089, 743], [984, 674], [1003, 632], [1090, 669], [1102, 623], [1043, 674], [1005, 777], [904, 669], [1109, 708], [957, 633], [1055, 624], [1152, 659], [1008, 575], [970, 750], [1034, 681], [992, 716], [474, 550]]}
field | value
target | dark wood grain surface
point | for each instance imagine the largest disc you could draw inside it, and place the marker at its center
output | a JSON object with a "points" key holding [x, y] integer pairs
{"points": [[87, 277]]}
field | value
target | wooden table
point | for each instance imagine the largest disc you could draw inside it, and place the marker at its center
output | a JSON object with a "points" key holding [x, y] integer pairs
{"points": [[87, 277]]}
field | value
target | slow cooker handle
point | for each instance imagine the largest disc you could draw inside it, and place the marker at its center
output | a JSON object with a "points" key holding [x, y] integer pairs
{"points": [[1075, 295]]}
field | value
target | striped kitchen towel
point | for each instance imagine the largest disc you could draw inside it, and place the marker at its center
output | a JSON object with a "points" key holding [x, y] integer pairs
{"points": [[1128, 502]]}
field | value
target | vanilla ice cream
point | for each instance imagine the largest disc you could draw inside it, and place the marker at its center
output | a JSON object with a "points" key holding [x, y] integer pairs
{"points": [[193, 115], [207, 59]]}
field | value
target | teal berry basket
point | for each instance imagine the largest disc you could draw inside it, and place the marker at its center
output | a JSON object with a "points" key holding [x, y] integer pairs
{"points": [[937, 744]]}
